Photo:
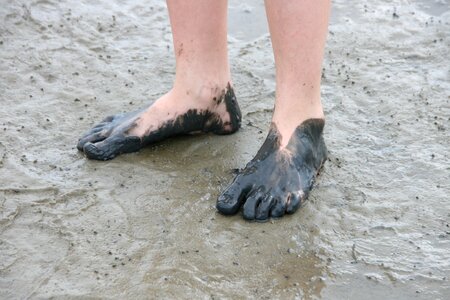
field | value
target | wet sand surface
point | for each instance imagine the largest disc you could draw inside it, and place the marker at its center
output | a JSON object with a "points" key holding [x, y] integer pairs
{"points": [[144, 225]]}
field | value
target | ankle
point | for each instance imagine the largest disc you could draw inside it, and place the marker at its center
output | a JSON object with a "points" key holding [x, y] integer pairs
{"points": [[288, 117], [202, 92]]}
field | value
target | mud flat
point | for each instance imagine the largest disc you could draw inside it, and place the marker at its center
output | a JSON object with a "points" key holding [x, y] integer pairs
{"points": [[145, 225]]}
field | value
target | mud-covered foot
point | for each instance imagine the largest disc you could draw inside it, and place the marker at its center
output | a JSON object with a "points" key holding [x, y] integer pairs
{"points": [[207, 110], [278, 179]]}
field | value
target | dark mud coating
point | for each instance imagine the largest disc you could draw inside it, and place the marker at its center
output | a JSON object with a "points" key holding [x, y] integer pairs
{"points": [[277, 181], [111, 137]]}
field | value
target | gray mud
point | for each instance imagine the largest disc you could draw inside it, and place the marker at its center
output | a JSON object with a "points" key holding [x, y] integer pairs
{"points": [[144, 225]]}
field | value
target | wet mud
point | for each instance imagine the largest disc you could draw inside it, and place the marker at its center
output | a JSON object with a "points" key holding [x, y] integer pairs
{"points": [[376, 225]]}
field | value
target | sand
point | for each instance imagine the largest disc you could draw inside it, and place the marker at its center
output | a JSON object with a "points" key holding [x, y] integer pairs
{"points": [[144, 225]]}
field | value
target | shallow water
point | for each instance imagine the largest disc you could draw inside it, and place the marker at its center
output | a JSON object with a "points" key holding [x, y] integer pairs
{"points": [[144, 225]]}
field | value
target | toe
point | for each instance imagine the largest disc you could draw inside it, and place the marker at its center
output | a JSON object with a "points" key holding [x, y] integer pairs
{"points": [[294, 201], [93, 137], [263, 210], [278, 208], [231, 199], [96, 134], [111, 147], [101, 125], [252, 202], [99, 151], [108, 119]]}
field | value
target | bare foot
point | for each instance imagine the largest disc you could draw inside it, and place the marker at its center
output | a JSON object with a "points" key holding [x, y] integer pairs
{"points": [[278, 179], [209, 110]]}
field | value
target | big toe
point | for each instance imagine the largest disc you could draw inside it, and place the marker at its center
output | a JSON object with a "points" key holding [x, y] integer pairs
{"points": [[111, 147], [230, 200], [97, 133], [94, 136]]}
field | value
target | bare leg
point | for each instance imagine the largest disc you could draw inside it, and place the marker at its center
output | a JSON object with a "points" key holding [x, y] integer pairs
{"points": [[298, 29], [201, 99], [282, 173]]}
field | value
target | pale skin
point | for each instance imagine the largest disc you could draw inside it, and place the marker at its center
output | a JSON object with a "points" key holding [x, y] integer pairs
{"points": [[298, 30], [202, 99], [200, 48]]}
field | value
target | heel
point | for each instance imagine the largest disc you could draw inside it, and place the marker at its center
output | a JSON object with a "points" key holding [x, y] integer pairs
{"points": [[233, 110]]}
